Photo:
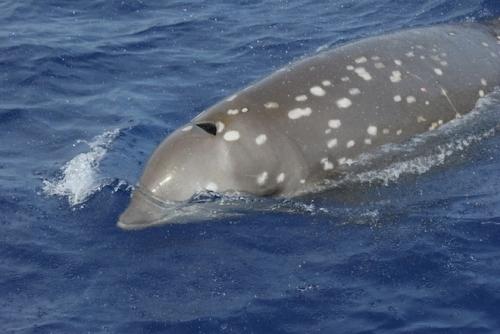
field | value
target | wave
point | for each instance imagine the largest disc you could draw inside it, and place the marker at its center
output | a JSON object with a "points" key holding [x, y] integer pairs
{"points": [[79, 178]]}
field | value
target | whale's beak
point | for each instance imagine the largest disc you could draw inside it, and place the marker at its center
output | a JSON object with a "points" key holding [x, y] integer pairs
{"points": [[142, 212]]}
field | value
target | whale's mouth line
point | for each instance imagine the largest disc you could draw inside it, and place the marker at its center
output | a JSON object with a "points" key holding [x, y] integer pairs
{"points": [[152, 197], [167, 210], [135, 227], [148, 196]]}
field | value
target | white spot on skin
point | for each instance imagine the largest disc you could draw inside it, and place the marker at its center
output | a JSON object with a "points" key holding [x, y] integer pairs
{"points": [[481, 93], [244, 110], [187, 128], [399, 132], [271, 105], [262, 178], [396, 76], [435, 58], [328, 131], [397, 98], [385, 131], [344, 103], [361, 71], [411, 99], [443, 63], [280, 178], [211, 186], [421, 119], [232, 111], [260, 139], [484, 82], [422, 57], [368, 141], [372, 130], [326, 83], [334, 123], [375, 58], [232, 135], [379, 66], [398, 62], [438, 71], [317, 91], [301, 98], [350, 68], [350, 143], [410, 54], [232, 97], [299, 112], [344, 79], [220, 126], [342, 161], [327, 165], [427, 103], [360, 60], [302, 181], [354, 91], [332, 143]]}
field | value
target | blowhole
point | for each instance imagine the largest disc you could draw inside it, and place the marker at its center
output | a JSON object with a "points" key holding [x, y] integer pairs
{"points": [[208, 128]]}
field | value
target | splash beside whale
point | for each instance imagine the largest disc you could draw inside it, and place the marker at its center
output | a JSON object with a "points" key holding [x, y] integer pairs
{"points": [[308, 122]]}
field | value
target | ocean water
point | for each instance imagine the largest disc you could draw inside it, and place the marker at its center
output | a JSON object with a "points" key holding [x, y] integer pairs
{"points": [[87, 91]]}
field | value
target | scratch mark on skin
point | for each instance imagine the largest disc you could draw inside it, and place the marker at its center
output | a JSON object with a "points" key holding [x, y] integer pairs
{"points": [[445, 93]]}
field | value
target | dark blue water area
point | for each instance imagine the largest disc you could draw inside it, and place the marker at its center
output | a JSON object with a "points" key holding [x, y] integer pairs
{"points": [[87, 91]]}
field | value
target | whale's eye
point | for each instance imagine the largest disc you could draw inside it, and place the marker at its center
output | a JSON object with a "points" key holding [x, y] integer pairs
{"points": [[208, 128]]}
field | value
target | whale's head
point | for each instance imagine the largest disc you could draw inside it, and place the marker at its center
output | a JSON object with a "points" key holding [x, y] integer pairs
{"points": [[220, 155]]}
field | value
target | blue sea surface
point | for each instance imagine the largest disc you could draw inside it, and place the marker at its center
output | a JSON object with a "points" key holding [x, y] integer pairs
{"points": [[88, 89]]}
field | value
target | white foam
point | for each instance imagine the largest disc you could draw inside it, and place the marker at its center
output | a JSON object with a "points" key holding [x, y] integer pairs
{"points": [[418, 165], [79, 177]]}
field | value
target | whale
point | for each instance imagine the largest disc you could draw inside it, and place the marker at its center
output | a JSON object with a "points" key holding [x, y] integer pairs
{"points": [[309, 121]]}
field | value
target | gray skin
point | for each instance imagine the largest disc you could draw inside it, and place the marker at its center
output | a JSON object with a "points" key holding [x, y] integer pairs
{"points": [[319, 114]]}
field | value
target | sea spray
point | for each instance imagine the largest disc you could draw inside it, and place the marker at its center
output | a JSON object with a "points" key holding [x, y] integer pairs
{"points": [[79, 177]]}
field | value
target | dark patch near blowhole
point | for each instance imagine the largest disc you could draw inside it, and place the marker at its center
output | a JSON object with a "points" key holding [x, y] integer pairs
{"points": [[208, 128]]}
